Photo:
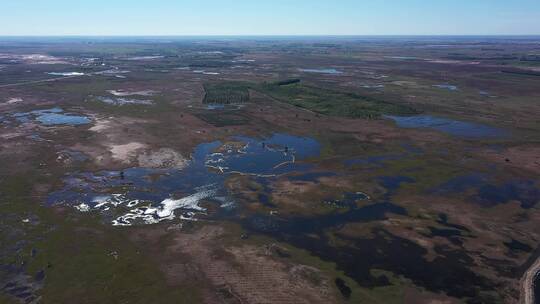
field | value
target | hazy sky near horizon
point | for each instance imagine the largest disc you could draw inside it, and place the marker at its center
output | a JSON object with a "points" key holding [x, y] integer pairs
{"points": [[276, 17]]}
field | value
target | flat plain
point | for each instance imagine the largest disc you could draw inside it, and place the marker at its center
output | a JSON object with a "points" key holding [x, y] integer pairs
{"points": [[269, 170]]}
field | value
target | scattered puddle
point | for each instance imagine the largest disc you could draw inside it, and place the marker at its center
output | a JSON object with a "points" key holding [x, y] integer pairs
{"points": [[307, 225], [122, 93], [449, 126], [515, 245], [489, 194], [113, 72], [148, 196], [220, 106], [120, 101], [343, 288], [205, 72], [486, 94], [373, 86], [524, 192], [448, 87], [321, 71], [402, 57], [381, 251], [393, 183], [16, 283], [137, 58], [51, 117]]}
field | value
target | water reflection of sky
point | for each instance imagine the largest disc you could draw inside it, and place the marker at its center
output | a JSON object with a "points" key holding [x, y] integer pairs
{"points": [[141, 195], [449, 126], [50, 117], [270, 157], [489, 193]]}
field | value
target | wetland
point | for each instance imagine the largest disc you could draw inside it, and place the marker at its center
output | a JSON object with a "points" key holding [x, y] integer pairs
{"points": [[245, 170]]}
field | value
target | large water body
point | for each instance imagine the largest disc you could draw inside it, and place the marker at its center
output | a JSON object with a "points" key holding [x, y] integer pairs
{"points": [[155, 195]]}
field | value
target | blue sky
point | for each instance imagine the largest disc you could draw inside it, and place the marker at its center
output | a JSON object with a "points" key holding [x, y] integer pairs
{"points": [[272, 17]]}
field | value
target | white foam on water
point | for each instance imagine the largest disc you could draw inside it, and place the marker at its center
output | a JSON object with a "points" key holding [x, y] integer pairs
{"points": [[148, 213], [83, 207], [122, 93]]}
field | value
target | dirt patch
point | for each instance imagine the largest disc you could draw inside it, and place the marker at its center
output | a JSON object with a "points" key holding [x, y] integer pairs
{"points": [[523, 157], [162, 158], [127, 152], [241, 273]]}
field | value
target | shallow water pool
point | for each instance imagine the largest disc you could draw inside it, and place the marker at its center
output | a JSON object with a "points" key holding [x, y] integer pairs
{"points": [[321, 71], [449, 126], [53, 116]]}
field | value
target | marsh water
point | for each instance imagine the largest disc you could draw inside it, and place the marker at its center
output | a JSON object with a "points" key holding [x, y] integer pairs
{"points": [[121, 101], [270, 157], [145, 196], [155, 195], [448, 87], [449, 126], [51, 117], [482, 189]]}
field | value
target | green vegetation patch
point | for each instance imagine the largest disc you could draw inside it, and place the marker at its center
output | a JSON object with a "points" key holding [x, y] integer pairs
{"points": [[320, 100], [334, 103], [223, 119], [226, 92]]}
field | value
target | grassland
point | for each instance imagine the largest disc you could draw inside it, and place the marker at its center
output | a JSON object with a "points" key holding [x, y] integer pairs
{"points": [[332, 102], [264, 91], [320, 100], [226, 93]]}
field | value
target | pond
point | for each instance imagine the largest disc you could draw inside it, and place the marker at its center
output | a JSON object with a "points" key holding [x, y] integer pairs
{"points": [[270, 157], [51, 117], [449, 126]]}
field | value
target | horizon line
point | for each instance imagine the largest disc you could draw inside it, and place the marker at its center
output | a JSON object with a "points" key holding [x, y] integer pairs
{"points": [[247, 35], [275, 35]]}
